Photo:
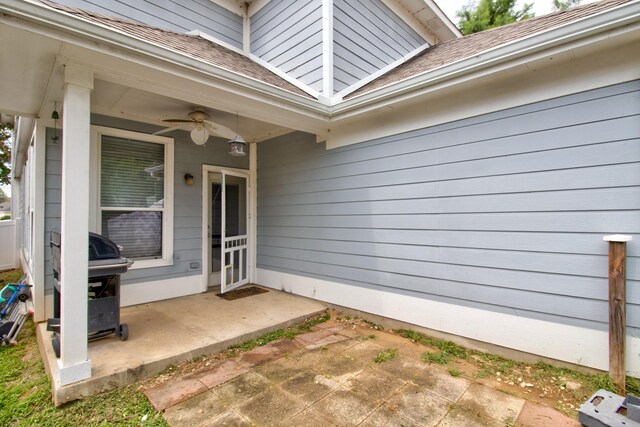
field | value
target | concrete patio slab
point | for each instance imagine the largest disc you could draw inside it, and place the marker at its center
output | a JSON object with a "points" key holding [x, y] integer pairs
{"points": [[387, 416], [238, 390], [340, 384], [228, 419], [195, 411], [346, 407], [308, 387], [376, 384], [169, 332], [310, 417], [491, 403], [418, 405], [271, 408], [278, 371], [442, 383], [460, 416]]}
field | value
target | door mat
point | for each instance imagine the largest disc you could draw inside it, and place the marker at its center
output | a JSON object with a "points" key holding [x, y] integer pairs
{"points": [[242, 293]]}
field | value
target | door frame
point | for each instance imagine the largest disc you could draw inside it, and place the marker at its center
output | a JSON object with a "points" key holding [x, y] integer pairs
{"points": [[251, 229]]}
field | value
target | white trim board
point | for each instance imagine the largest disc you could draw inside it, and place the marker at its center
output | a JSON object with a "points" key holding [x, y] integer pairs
{"points": [[408, 18], [578, 345], [157, 290]]}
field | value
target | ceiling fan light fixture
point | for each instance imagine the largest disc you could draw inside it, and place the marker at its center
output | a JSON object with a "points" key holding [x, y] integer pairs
{"points": [[199, 135], [237, 147]]}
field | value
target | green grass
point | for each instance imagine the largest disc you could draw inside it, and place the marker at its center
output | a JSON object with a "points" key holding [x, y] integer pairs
{"points": [[444, 346], [482, 373], [25, 395], [440, 358], [386, 355], [25, 390], [454, 372], [288, 333], [9, 276]]}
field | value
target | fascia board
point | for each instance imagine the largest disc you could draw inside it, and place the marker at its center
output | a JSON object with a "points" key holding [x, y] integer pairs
{"points": [[25, 127], [44, 16], [608, 20], [453, 29]]}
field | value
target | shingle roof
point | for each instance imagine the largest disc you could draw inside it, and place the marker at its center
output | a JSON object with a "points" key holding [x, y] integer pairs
{"points": [[455, 50], [190, 45]]}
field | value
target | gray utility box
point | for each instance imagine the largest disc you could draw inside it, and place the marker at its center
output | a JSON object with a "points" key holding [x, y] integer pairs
{"points": [[606, 409]]}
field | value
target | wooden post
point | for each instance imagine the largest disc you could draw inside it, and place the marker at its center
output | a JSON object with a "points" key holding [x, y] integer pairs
{"points": [[617, 309]]}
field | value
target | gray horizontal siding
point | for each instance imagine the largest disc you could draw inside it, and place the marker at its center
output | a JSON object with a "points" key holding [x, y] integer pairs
{"points": [[288, 35], [175, 15], [187, 233], [504, 211], [367, 37]]}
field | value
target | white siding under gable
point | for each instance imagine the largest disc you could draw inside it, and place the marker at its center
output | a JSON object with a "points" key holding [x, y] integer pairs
{"points": [[288, 35], [367, 37]]}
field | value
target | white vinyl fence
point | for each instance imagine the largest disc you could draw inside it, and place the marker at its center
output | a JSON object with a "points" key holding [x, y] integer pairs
{"points": [[8, 246]]}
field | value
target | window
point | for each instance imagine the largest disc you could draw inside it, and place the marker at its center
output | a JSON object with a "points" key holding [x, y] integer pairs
{"points": [[135, 197]]}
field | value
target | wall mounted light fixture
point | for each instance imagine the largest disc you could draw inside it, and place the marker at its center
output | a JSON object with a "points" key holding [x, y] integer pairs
{"points": [[188, 178]]}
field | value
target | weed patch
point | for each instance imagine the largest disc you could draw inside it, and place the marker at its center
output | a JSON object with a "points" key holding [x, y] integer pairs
{"points": [[386, 355], [448, 347], [288, 333], [440, 358], [454, 372], [373, 325]]}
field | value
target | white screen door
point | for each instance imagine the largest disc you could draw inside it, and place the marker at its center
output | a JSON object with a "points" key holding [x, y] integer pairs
{"points": [[234, 247]]}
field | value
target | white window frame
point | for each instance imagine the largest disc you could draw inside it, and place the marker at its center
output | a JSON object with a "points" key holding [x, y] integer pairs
{"points": [[95, 217]]}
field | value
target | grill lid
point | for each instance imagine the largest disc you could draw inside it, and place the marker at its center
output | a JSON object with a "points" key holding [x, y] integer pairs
{"points": [[102, 248]]}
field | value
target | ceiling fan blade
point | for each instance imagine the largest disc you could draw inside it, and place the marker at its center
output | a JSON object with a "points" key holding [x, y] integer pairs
{"points": [[172, 128], [219, 130], [178, 120]]}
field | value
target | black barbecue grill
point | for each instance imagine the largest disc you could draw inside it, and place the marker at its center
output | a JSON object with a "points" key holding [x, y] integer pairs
{"points": [[103, 290]]}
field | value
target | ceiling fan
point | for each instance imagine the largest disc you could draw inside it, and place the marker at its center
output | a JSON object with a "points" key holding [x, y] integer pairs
{"points": [[200, 126]]}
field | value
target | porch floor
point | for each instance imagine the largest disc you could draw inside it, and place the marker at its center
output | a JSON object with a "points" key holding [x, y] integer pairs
{"points": [[169, 332]]}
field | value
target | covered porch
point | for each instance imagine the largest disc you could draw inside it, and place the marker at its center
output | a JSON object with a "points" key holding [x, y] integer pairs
{"points": [[169, 332], [120, 90]]}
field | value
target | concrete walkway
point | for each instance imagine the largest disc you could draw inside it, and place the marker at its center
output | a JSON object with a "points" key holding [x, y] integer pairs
{"points": [[329, 377], [170, 332]]}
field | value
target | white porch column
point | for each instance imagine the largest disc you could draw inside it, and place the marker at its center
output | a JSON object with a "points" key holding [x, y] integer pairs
{"points": [[38, 244], [74, 364], [253, 212]]}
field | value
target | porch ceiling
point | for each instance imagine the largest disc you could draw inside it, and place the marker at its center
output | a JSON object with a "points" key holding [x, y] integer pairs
{"points": [[117, 100], [130, 85], [26, 63], [31, 82]]}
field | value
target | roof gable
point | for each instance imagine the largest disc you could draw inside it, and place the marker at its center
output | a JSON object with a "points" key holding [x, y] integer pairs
{"points": [[455, 50], [190, 45]]}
